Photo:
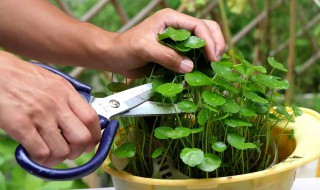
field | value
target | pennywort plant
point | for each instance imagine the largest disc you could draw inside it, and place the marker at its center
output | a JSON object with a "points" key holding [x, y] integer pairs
{"points": [[229, 109]]}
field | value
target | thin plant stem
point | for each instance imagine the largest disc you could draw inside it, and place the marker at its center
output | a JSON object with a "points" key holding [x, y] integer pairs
{"points": [[164, 156]]}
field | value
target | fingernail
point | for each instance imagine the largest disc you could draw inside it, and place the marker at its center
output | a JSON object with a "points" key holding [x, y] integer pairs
{"points": [[186, 65]]}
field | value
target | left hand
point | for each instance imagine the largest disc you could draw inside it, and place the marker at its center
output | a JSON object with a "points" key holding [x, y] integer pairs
{"points": [[136, 47]]}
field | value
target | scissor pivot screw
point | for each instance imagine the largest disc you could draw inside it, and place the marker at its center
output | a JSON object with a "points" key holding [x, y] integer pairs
{"points": [[114, 103]]}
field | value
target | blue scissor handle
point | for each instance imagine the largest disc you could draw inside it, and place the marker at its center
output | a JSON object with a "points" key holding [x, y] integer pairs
{"points": [[106, 141]]}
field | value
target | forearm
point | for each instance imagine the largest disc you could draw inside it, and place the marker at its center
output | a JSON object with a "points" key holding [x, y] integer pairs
{"points": [[38, 30]]}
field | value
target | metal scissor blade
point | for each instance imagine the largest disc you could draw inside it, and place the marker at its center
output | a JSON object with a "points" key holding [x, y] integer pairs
{"points": [[150, 108], [122, 101]]}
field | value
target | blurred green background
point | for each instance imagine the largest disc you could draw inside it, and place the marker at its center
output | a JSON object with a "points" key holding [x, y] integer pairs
{"points": [[256, 28]]}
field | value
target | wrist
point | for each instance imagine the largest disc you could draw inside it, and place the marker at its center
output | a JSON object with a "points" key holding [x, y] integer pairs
{"points": [[101, 46]]}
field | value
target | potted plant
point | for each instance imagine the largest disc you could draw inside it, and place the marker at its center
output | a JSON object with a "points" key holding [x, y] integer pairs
{"points": [[234, 131]]}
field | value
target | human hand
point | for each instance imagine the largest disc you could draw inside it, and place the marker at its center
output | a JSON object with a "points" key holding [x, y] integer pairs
{"points": [[43, 112], [136, 47]]}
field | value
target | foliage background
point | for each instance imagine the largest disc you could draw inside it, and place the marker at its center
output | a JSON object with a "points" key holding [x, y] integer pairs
{"points": [[302, 51]]}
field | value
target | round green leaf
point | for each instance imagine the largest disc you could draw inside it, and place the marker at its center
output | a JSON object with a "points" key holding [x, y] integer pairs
{"points": [[248, 67], [221, 81], [179, 132], [247, 112], [197, 130], [261, 109], [272, 82], [260, 68], [210, 163], [162, 132], [282, 110], [297, 111], [203, 116], [276, 64], [192, 156], [237, 142], [126, 150], [219, 146], [170, 89], [291, 135], [237, 123], [231, 89], [213, 99], [194, 42], [156, 153], [174, 34], [197, 78], [240, 68], [224, 71], [228, 64], [220, 117], [230, 106], [181, 47], [187, 106], [168, 132], [254, 97], [213, 139], [211, 108]]}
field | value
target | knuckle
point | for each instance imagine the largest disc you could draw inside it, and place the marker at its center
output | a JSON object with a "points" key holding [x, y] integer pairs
{"points": [[90, 118], [165, 11], [20, 119], [62, 153], [170, 57], [221, 47], [213, 23], [62, 81], [83, 138], [202, 23], [42, 153]]}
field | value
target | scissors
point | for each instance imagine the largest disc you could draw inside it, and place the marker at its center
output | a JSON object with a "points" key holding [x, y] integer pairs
{"points": [[131, 102]]}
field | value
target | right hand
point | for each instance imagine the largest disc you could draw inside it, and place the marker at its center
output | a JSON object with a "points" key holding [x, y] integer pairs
{"points": [[43, 112]]}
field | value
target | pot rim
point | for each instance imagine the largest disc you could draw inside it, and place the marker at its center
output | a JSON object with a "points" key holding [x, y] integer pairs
{"points": [[306, 127]]}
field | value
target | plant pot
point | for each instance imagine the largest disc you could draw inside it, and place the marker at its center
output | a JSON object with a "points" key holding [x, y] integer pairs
{"points": [[303, 148]]}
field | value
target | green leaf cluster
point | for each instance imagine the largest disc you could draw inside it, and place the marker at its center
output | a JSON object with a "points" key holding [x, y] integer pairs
{"points": [[180, 39], [228, 115]]}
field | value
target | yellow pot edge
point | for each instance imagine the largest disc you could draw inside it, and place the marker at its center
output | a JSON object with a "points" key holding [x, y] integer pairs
{"points": [[306, 129], [306, 138]]}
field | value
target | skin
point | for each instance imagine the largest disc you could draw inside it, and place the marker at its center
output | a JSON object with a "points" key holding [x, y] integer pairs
{"points": [[42, 110]]}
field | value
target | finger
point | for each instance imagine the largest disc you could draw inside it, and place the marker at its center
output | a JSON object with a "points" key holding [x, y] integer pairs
{"points": [[169, 58], [39, 153], [217, 35], [88, 117], [59, 148], [28, 136], [76, 134]]}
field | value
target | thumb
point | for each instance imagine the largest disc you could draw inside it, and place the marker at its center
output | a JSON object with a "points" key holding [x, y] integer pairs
{"points": [[170, 59]]}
